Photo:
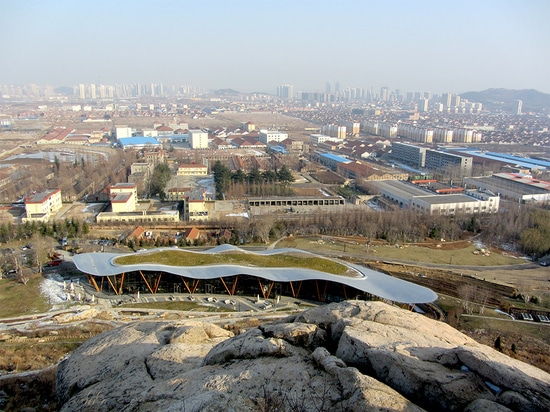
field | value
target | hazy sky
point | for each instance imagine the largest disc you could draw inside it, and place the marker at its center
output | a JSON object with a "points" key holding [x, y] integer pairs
{"points": [[437, 46]]}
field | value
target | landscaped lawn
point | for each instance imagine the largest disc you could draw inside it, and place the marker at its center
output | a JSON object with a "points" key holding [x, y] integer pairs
{"points": [[17, 299], [185, 258]]}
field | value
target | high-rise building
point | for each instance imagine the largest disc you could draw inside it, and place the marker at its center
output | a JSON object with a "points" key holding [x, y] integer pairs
{"points": [[437, 160], [519, 103], [423, 105], [384, 94], [334, 130], [82, 91], [198, 139], [286, 91], [446, 99]]}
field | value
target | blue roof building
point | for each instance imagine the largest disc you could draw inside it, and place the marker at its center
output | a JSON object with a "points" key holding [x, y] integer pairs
{"points": [[138, 142]]}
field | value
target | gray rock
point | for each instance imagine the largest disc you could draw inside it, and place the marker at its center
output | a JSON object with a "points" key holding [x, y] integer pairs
{"points": [[484, 405], [357, 356], [300, 334]]}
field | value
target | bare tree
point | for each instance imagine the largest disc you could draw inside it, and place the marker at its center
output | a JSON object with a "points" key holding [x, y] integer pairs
{"points": [[482, 297], [41, 251], [466, 294], [262, 227], [17, 264]]}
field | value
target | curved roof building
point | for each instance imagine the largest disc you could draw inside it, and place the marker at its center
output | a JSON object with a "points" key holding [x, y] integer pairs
{"points": [[104, 273]]}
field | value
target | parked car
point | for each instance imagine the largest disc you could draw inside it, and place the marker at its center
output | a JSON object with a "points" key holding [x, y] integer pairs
{"points": [[56, 262]]}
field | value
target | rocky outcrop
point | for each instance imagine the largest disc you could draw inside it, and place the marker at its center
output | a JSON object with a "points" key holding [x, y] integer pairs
{"points": [[352, 356]]}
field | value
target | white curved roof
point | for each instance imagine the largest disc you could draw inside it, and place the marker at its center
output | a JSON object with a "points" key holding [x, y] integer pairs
{"points": [[368, 280]]}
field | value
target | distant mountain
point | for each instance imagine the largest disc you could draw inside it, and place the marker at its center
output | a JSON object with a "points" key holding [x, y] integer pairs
{"points": [[226, 92], [505, 99], [65, 90]]}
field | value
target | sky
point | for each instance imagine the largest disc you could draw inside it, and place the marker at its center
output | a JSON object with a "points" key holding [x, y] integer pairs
{"points": [[421, 45]]}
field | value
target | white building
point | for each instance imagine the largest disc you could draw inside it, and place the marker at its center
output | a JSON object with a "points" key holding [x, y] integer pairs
{"points": [[317, 138], [267, 136], [198, 139], [406, 195], [123, 131]]}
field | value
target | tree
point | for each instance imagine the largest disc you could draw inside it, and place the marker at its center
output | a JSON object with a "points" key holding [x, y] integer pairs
{"points": [[56, 163], [482, 297], [262, 228], [41, 249], [160, 178], [254, 176], [285, 175], [269, 176], [498, 344], [239, 176], [222, 179], [466, 293]]}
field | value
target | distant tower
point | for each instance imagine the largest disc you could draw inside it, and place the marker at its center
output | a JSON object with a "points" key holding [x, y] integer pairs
{"points": [[519, 103], [384, 94], [327, 87], [93, 93], [286, 91], [82, 91], [446, 99], [423, 105]]}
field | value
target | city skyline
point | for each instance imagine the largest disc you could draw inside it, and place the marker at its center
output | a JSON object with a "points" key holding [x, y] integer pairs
{"points": [[258, 46]]}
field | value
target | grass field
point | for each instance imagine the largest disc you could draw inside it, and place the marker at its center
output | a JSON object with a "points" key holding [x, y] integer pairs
{"points": [[17, 299], [184, 258], [444, 255]]}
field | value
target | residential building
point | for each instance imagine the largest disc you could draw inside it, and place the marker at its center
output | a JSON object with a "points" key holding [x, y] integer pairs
{"points": [[198, 139], [123, 197], [248, 126], [123, 131], [334, 130], [192, 169], [40, 206], [177, 193], [285, 91], [409, 154], [317, 138], [267, 136], [518, 106], [437, 160]]}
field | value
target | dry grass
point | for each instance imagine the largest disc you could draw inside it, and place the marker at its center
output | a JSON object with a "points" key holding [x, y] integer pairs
{"points": [[455, 253], [531, 340], [35, 391], [25, 351]]}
